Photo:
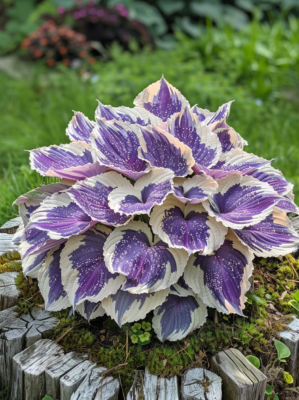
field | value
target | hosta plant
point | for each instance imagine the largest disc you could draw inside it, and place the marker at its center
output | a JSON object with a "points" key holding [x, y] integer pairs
{"points": [[159, 209]]}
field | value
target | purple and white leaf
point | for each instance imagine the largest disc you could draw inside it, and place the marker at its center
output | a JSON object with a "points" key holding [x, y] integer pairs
{"points": [[161, 99], [187, 226], [148, 191], [221, 279], [116, 144], [90, 310], [274, 178], [287, 204], [126, 307], [91, 196], [84, 273], [136, 115], [178, 316], [162, 150], [148, 266], [241, 201], [181, 288], [272, 237], [195, 190], [49, 281], [205, 145], [74, 161], [80, 128], [60, 217], [31, 264]]}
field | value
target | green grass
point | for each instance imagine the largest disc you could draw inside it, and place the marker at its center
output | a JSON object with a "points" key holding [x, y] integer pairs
{"points": [[36, 110]]}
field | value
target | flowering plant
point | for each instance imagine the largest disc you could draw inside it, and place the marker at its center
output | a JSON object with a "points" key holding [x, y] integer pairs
{"points": [[158, 209]]}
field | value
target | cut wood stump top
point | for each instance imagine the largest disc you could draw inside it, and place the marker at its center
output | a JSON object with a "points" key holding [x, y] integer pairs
{"points": [[201, 384], [11, 226]]}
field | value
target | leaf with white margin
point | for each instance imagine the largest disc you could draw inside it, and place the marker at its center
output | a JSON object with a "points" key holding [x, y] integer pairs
{"points": [[31, 264], [148, 266], [116, 144], [286, 204], [275, 179], [49, 282], [30, 201], [90, 310], [272, 237], [216, 120], [161, 99], [241, 201], [221, 279], [236, 162], [148, 191], [91, 196], [178, 316], [181, 288], [84, 273], [80, 127], [36, 241], [136, 115], [75, 161], [202, 113], [126, 307], [229, 139], [60, 217], [188, 227], [162, 150], [196, 189], [205, 145]]}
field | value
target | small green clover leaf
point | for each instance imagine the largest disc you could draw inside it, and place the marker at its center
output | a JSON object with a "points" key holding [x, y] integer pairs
{"points": [[295, 304], [296, 295], [136, 327], [47, 398], [134, 339], [269, 391], [282, 350], [287, 377], [254, 361], [275, 397], [145, 337], [146, 326]]}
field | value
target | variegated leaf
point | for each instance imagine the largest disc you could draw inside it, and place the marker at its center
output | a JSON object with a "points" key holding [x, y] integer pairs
{"points": [[241, 201], [161, 99], [195, 190], [126, 307], [90, 310], [178, 316], [221, 279], [80, 128], [272, 237], [162, 150], [188, 227], [91, 196], [148, 266], [148, 191], [31, 264], [84, 273]]}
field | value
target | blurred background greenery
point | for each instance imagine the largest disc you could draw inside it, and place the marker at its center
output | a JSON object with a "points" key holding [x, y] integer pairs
{"points": [[61, 55]]}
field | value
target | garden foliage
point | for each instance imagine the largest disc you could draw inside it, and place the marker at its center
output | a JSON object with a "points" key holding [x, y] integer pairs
{"points": [[159, 209]]}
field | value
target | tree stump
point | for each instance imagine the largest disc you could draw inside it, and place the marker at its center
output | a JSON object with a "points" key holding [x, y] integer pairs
{"points": [[59, 368], [9, 293], [155, 388], [241, 380], [70, 382], [200, 384], [97, 387], [6, 243], [291, 339], [16, 333], [28, 370], [11, 226]]}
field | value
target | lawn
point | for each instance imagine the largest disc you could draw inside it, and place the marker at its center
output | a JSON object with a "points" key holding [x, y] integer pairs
{"points": [[35, 110]]}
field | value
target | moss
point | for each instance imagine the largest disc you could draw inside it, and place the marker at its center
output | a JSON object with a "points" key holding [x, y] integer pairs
{"points": [[10, 262], [29, 294]]}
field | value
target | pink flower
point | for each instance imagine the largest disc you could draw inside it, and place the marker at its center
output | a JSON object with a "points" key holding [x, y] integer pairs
{"points": [[60, 10]]}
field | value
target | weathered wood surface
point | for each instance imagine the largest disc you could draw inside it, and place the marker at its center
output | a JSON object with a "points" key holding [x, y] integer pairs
{"points": [[95, 386], [291, 339], [154, 388], [11, 226], [56, 370], [28, 370], [18, 332], [200, 384], [6, 243], [136, 392], [241, 380], [70, 382], [8, 291]]}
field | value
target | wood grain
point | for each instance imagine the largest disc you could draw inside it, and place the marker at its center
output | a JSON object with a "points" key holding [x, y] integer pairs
{"points": [[200, 384]]}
